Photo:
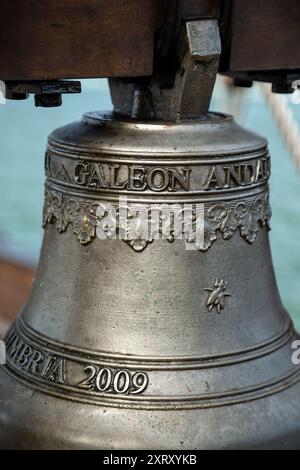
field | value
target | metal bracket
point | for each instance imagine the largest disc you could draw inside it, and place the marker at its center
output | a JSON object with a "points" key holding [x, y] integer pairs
{"points": [[46, 93], [186, 94]]}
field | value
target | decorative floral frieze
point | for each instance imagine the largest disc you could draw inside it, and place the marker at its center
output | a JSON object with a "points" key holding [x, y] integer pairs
{"points": [[131, 222]]}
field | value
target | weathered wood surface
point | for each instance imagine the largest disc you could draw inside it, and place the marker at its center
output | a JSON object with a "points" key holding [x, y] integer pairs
{"points": [[55, 39], [50, 39], [194, 9], [265, 35]]}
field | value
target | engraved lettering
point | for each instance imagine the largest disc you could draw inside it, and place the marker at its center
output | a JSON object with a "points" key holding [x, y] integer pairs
{"points": [[257, 173], [122, 381], [91, 370], [30, 359], [109, 380], [24, 355], [247, 174], [10, 339], [46, 365], [158, 179], [236, 175], [81, 173], [56, 373], [137, 178], [15, 348], [103, 379], [180, 178], [142, 178], [132, 177], [32, 364], [232, 176], [262, 171], [114, 184], [63, 174], [140, 382], [97, 177], [213, 180]]}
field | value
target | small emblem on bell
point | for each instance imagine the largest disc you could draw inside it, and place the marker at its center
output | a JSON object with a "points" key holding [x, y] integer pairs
{"points": [[217, 297]]}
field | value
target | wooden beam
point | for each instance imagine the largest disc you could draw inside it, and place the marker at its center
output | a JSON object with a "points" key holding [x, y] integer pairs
{"points": [[51, 39], [265, 35], [196, 9]]}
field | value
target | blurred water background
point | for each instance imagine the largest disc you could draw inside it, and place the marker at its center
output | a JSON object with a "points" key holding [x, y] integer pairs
{"points": [[24, 130]]}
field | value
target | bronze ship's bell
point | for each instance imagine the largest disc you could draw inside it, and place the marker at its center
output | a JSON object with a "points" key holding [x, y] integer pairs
{"points": [[149, 340]]}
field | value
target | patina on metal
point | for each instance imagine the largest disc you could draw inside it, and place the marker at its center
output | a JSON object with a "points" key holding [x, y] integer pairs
{"points": [[157, 342]]}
